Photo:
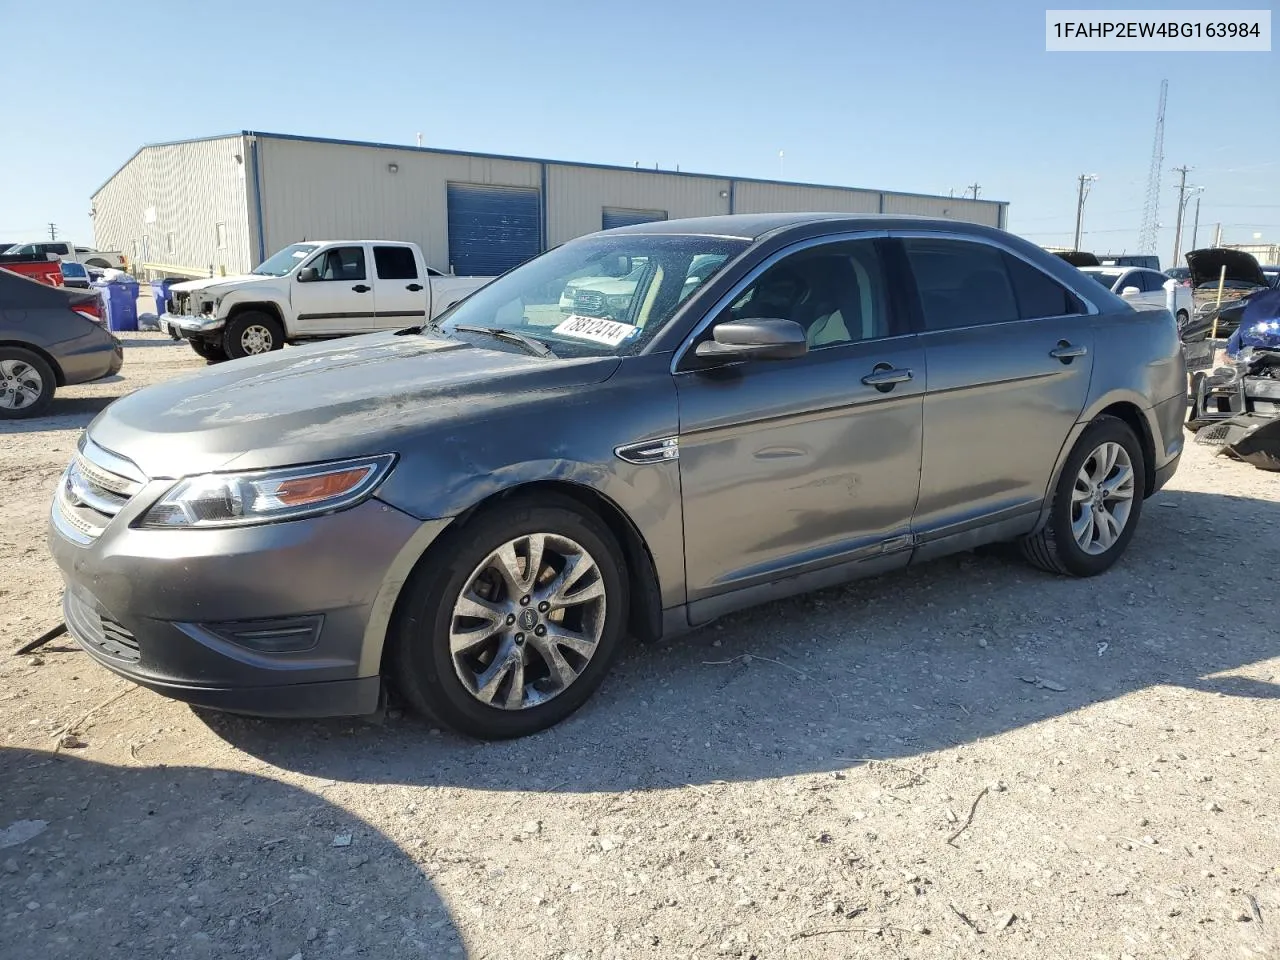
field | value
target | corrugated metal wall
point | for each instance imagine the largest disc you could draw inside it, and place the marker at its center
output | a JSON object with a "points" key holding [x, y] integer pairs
{"points": [[329, 191], [957, 208], [577, 196], [183, 189], [750, 197]]}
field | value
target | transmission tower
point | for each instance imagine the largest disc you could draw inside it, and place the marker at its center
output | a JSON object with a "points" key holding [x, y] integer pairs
{"points": [[1151, 209]]}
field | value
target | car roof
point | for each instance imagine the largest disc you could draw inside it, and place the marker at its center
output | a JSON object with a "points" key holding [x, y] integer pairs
{"points": [[755, 226]]}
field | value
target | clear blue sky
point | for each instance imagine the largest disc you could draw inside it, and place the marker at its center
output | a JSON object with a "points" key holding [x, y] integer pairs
{"points": [[925, 97]]}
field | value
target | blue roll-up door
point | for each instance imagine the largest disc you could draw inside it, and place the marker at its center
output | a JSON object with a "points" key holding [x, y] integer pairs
{"points": [[611, 217], [492, 229]]}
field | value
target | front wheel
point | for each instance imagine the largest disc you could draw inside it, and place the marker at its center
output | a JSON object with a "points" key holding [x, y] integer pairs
{"points": [[1096, 504], [250, 333], [209, 350], [513, 625]]}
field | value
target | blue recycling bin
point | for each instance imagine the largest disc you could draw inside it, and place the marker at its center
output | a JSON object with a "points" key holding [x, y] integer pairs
{"points": [[120, 300], [160, 289]]}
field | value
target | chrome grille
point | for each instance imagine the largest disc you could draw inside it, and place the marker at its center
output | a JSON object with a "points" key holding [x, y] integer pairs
{"points": [[94, 488], [588, 300], [180, 303]]}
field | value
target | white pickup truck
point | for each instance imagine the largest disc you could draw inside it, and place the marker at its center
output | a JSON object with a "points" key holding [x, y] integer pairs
{"points": [[102, 259], [312, 291]]}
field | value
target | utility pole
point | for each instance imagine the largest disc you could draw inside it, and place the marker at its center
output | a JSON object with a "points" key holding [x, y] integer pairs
{"points": [[1217, 236], [1195, 227], [975, 187], [53, 231], [1085, 180], [1182, 200]]}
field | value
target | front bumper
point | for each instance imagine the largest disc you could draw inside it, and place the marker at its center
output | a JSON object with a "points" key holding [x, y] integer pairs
{"points": [[187, 327], [169, 609]]}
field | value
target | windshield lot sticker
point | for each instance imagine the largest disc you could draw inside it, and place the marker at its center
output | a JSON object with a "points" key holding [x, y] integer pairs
{"points": [[609, 332]]}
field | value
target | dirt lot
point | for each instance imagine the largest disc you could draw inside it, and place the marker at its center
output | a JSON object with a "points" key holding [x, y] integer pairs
{"points": [[870, 771]]}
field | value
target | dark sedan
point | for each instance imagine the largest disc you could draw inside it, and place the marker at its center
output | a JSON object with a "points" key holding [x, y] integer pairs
{"points": [[45, 343], [481, 509]]}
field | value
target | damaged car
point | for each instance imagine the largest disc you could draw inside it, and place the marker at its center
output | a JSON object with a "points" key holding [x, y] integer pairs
{"points": [[1236, 408], [1242, 277]]}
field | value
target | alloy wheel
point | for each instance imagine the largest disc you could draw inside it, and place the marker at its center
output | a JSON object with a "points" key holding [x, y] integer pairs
{"points": [[256, 339], [1102, 498], [528, 621], [20, 384]]}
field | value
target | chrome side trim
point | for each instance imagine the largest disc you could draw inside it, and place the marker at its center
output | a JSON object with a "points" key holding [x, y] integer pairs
{"points": [[737, 289], [649, 451]]}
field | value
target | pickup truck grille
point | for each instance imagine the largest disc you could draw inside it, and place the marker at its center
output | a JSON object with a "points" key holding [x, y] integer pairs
{"points": [[589, 302], [91, 492], [179, 303]]}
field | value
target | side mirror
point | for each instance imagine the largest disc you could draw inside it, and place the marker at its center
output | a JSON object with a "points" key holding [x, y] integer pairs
{"points": [[755, 340], [308, 275], [1130, 292]]}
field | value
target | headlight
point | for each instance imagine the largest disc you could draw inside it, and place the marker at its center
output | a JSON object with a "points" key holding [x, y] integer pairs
{"points": [[244, 499]]}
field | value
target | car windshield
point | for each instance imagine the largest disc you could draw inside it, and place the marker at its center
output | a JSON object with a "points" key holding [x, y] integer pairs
{"points": [[284, 261], [596, 296]]}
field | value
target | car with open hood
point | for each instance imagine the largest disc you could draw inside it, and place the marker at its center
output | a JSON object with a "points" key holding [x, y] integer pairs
{"points": [[476, 510], [1238, 273]]}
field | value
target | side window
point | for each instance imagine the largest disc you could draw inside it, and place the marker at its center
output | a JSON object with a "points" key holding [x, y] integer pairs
{"points": [[395, 263], [961, 284], [835, 291], [1153, 282], [1038, 294], [59, 248], [341, 263]]}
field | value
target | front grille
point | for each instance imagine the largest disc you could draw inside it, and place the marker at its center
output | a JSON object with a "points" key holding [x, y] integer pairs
{"points": [[588, 301], [93, 489], [180, 303], [98, 630], [1214, 436]]}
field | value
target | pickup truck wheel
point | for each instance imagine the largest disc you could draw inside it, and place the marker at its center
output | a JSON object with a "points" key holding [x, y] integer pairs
{"points": [[511, 624], [251, 333], [1096, 504], [26, 384], [209, 350]]}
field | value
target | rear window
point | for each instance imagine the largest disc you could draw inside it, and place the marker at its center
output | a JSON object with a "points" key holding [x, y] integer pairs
{"points": [[1038, 294]]}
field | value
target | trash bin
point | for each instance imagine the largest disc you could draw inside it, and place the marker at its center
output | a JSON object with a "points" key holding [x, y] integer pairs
{"points": [[120, 302], [160, 290]]}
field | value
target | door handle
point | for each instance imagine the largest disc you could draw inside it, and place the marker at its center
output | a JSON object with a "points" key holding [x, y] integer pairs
{"points": [[415, 287], [1066, 351], [360, 288], [885, 376]]}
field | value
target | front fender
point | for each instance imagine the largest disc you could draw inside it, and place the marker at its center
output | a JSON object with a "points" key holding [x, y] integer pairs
{"points": [[272, 301]]}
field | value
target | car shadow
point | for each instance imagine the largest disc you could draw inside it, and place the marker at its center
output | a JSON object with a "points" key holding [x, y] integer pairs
{"points": [[194, 862], [72, 413], [948, 653]]}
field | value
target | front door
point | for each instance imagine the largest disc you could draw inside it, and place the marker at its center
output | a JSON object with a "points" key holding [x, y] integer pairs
{"points": [[401, 294], [791, 466], [1009, 352], [341, 300]]}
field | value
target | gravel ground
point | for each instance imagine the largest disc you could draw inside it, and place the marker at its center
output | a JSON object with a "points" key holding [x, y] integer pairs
{"points": [[969, 758]]}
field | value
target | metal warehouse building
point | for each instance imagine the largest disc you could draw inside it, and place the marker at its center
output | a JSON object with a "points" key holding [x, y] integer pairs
{"points": [[223, 204]]}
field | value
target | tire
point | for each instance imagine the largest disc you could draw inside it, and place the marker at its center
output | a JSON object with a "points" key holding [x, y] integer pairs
{"points": [[27, 383], [1055, 548], [429, 676], [211, 351], [1182, 317], [250, 333]]}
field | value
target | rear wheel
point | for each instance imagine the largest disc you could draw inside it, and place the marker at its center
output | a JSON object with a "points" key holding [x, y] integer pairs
{"points": [[250, 333], [1096, 504], [27, 383], [513, 625]]}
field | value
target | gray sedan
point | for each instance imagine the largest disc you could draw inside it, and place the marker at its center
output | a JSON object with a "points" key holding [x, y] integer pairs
{"points": [[479, 511], [46, 342]]}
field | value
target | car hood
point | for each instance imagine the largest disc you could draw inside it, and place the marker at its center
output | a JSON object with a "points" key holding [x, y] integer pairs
{"points": [[209, 283], [1206, 266], [359, 396]]}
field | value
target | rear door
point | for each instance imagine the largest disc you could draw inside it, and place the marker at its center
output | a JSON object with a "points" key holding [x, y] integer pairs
{"points": [[400, 292], [341, 300], [1009, 355]]}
